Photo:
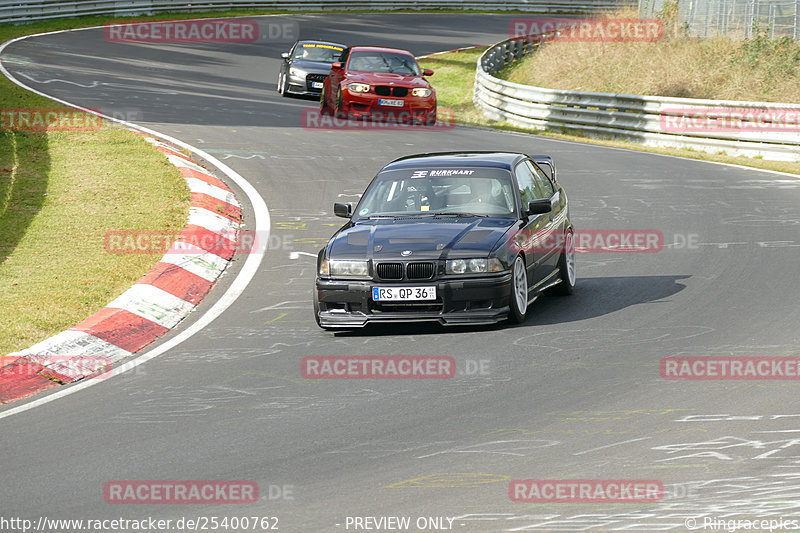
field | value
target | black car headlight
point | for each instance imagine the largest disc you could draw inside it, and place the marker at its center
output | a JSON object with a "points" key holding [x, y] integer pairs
{"points": [[344, 268], [473, 266]]}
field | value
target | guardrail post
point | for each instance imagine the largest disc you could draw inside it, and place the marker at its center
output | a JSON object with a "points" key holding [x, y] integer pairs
{"points": [[796, 32], [771, 21]]}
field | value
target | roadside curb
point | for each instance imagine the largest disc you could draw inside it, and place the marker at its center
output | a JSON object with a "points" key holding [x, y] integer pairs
{"points": [[154, 305]]}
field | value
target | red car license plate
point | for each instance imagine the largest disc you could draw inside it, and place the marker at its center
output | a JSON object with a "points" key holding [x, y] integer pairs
{"points": [[389, 102]]}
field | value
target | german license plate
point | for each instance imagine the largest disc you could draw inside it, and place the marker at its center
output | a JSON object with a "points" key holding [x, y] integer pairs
{"points": [[390, 102], [317, 84], [404, 294]]}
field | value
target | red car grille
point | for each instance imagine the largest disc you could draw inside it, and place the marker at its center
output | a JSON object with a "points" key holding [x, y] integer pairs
{"points": [[386, 90]]}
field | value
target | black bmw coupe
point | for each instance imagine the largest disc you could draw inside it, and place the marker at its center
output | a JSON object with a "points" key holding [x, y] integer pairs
{"points": [[457, 237]]}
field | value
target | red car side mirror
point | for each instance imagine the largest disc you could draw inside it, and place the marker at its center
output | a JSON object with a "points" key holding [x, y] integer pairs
{"points": [[427, 72], [336, 66]]}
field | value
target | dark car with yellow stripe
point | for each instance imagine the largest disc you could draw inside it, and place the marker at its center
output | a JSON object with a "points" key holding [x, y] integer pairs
{"points": [[305, 67]]}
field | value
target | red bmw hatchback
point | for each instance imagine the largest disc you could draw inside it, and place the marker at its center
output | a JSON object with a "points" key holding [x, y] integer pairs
{"points": [[369, 81]]}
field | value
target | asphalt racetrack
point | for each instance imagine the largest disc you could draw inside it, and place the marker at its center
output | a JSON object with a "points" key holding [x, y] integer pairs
{"points": [[573, 393]]}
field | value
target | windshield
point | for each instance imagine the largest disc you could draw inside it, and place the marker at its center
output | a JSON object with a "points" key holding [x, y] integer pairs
{"points": [[439, 191], [383, 62], [324, 53]]}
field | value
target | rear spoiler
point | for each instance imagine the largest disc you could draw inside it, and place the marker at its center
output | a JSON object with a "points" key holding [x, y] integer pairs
{"points": [[546, 160]]}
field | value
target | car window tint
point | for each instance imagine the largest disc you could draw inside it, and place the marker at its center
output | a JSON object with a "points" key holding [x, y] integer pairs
{"points": [[484, 191], [544, 185], [383, 62], [526, 181]]}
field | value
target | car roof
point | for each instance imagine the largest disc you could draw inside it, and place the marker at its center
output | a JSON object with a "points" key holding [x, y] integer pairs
{"points": [[311, 41], [378, 49], [504, 160]]}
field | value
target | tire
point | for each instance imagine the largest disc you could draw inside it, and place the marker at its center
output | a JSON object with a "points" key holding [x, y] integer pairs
{"points": [[283, 85], [337, 111], [566, 267], [518, 299], [430, 120], [323, 103], [316, 311]]}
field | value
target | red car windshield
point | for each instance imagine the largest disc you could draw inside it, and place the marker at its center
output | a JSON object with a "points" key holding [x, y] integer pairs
{"points": [[383, 62]]}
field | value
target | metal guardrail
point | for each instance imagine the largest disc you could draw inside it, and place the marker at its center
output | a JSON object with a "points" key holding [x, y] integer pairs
{"points": [[17, 11], [754, 129], [735, 18]]}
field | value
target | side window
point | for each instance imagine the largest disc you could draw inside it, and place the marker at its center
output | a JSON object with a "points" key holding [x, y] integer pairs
{"points": [[542, 181], [343, 57], [526, 181]]}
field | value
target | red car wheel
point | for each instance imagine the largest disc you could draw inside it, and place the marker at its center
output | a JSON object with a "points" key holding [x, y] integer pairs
{"points": [[339, 109], [324, 108]]}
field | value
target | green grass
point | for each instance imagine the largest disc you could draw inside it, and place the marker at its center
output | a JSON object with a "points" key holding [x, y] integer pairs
{"points": [[60, 192], [454, 78]]}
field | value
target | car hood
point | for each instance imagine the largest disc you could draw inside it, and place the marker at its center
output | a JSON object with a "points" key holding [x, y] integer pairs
{"points": [[387, 239], [387, 78]]}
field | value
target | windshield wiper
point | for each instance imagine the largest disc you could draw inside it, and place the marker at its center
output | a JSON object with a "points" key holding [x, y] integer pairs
{"points": [[464, 215]]}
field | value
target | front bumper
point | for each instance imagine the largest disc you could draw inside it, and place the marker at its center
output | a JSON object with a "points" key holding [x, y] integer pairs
{"points": [[303, 85], [368, 105], [348, 304]]}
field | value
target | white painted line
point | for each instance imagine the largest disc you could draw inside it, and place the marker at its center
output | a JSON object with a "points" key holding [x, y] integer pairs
{"points": [[71, 342], [153, 304], [159, 144], [203, 187], [206, 265], [448, 51], [238, 285], [181, 162], [610, 445], [211, 221]]}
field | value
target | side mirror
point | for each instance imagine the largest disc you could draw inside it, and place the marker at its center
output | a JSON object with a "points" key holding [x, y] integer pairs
{"points": [[342, 209], [337, 65], [541, 206], [427, 72], [285, 55]]}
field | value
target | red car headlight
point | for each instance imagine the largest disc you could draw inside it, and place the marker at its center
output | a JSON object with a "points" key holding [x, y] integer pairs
{"points": [[358, 87], [422, 92]]}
